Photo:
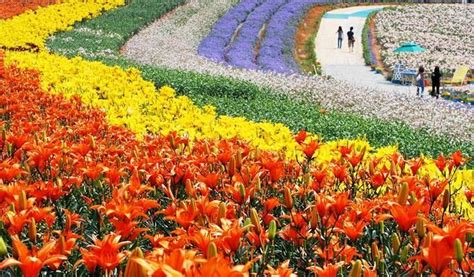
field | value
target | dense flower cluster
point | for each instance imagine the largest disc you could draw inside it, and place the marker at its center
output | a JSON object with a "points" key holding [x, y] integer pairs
{"points": [[79, 195], [257, 35], [444, 30], [9, 8], [172, 42], [30, 29]]}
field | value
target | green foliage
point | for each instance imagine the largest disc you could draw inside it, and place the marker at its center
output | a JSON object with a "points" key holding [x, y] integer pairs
{"points": [[240, 98]]}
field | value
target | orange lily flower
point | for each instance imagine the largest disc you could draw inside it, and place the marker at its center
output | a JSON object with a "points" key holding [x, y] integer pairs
{"points": [[32, 261], [283, 270], [353, 232], [104, 253], [327, 271]]}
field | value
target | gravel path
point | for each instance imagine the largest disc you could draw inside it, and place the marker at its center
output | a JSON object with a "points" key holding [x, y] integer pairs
{"points": [[172, 42], [348, 65]]}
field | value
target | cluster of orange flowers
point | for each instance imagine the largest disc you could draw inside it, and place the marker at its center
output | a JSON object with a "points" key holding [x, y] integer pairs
{"points": [[78, 195], [10, 8]]}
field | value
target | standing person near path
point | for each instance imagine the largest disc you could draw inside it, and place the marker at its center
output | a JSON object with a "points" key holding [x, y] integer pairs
{"points": [[420, 81], [350, 38], [436, 81], [340, 35]]}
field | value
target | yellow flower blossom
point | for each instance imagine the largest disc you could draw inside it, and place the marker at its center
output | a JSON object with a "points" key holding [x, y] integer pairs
{"points": [[29, 30]]}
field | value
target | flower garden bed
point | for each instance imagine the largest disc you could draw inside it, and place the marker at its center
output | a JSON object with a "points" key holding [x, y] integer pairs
{"points": [[175, 58], [103, 174], [447, 40], [95, 200], [9, 8]]}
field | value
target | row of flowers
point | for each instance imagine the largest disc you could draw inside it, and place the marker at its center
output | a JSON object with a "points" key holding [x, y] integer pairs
{"points": [[79, 195], [257, 35], [444, 30], [30, 29], [10, 8]]}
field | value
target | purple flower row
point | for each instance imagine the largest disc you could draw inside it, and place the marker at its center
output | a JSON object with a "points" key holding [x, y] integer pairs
{"points": [[214, 45], [276, 52], [242, 51], [277, 45]]}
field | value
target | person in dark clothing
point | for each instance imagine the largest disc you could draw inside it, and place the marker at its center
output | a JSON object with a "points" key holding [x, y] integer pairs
{"points": [[350, 38], [436, 81], [340, 35]]}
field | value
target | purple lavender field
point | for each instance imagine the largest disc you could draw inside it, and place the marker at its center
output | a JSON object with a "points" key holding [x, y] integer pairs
{"points": [[235, 37]]}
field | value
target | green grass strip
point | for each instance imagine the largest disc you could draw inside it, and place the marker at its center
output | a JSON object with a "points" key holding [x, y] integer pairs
{"points": [[101, 38]]}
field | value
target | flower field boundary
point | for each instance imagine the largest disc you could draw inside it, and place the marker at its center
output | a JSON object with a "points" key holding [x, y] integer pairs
{"points": [[244, 99]]}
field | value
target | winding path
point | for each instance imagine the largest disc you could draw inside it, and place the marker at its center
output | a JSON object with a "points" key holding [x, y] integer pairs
{"points": [[343, 64]]}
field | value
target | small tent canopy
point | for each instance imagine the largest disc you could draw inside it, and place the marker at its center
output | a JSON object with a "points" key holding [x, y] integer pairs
{"points": [[409, 47]]}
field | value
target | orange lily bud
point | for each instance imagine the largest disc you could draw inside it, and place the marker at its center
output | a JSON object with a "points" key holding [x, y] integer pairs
{"points": [[211, 250], [92, 143], [446, 198], [133, 268], [382, 227], [238, 160], [62, 245], [272, 228], [36, 138], [59, 182], [255, 220], [189, 187], [427, 241], [459, 253], [171, 141], [412, 198], [375, 251], [222, 210], [356, 269], [4, 134], [23, 201], [32, 230], [288, 198], [403, 195], [420, 228], [395, 243], [258, 185], [3, 248], [43, 134], [232, 168], [10, 149], [242, 190], [313, 221]]}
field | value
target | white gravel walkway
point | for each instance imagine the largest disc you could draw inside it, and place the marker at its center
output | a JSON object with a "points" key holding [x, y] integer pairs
{"points": [[345, 64]]}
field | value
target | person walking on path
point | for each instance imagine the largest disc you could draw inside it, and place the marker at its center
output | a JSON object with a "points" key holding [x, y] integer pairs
{"points": [[350, 38], [436, 81], [420, 81], [340, 35]]}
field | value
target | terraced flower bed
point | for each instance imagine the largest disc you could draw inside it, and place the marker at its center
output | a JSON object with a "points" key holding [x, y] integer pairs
{"points": [[171, 60], [104, 174]]}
